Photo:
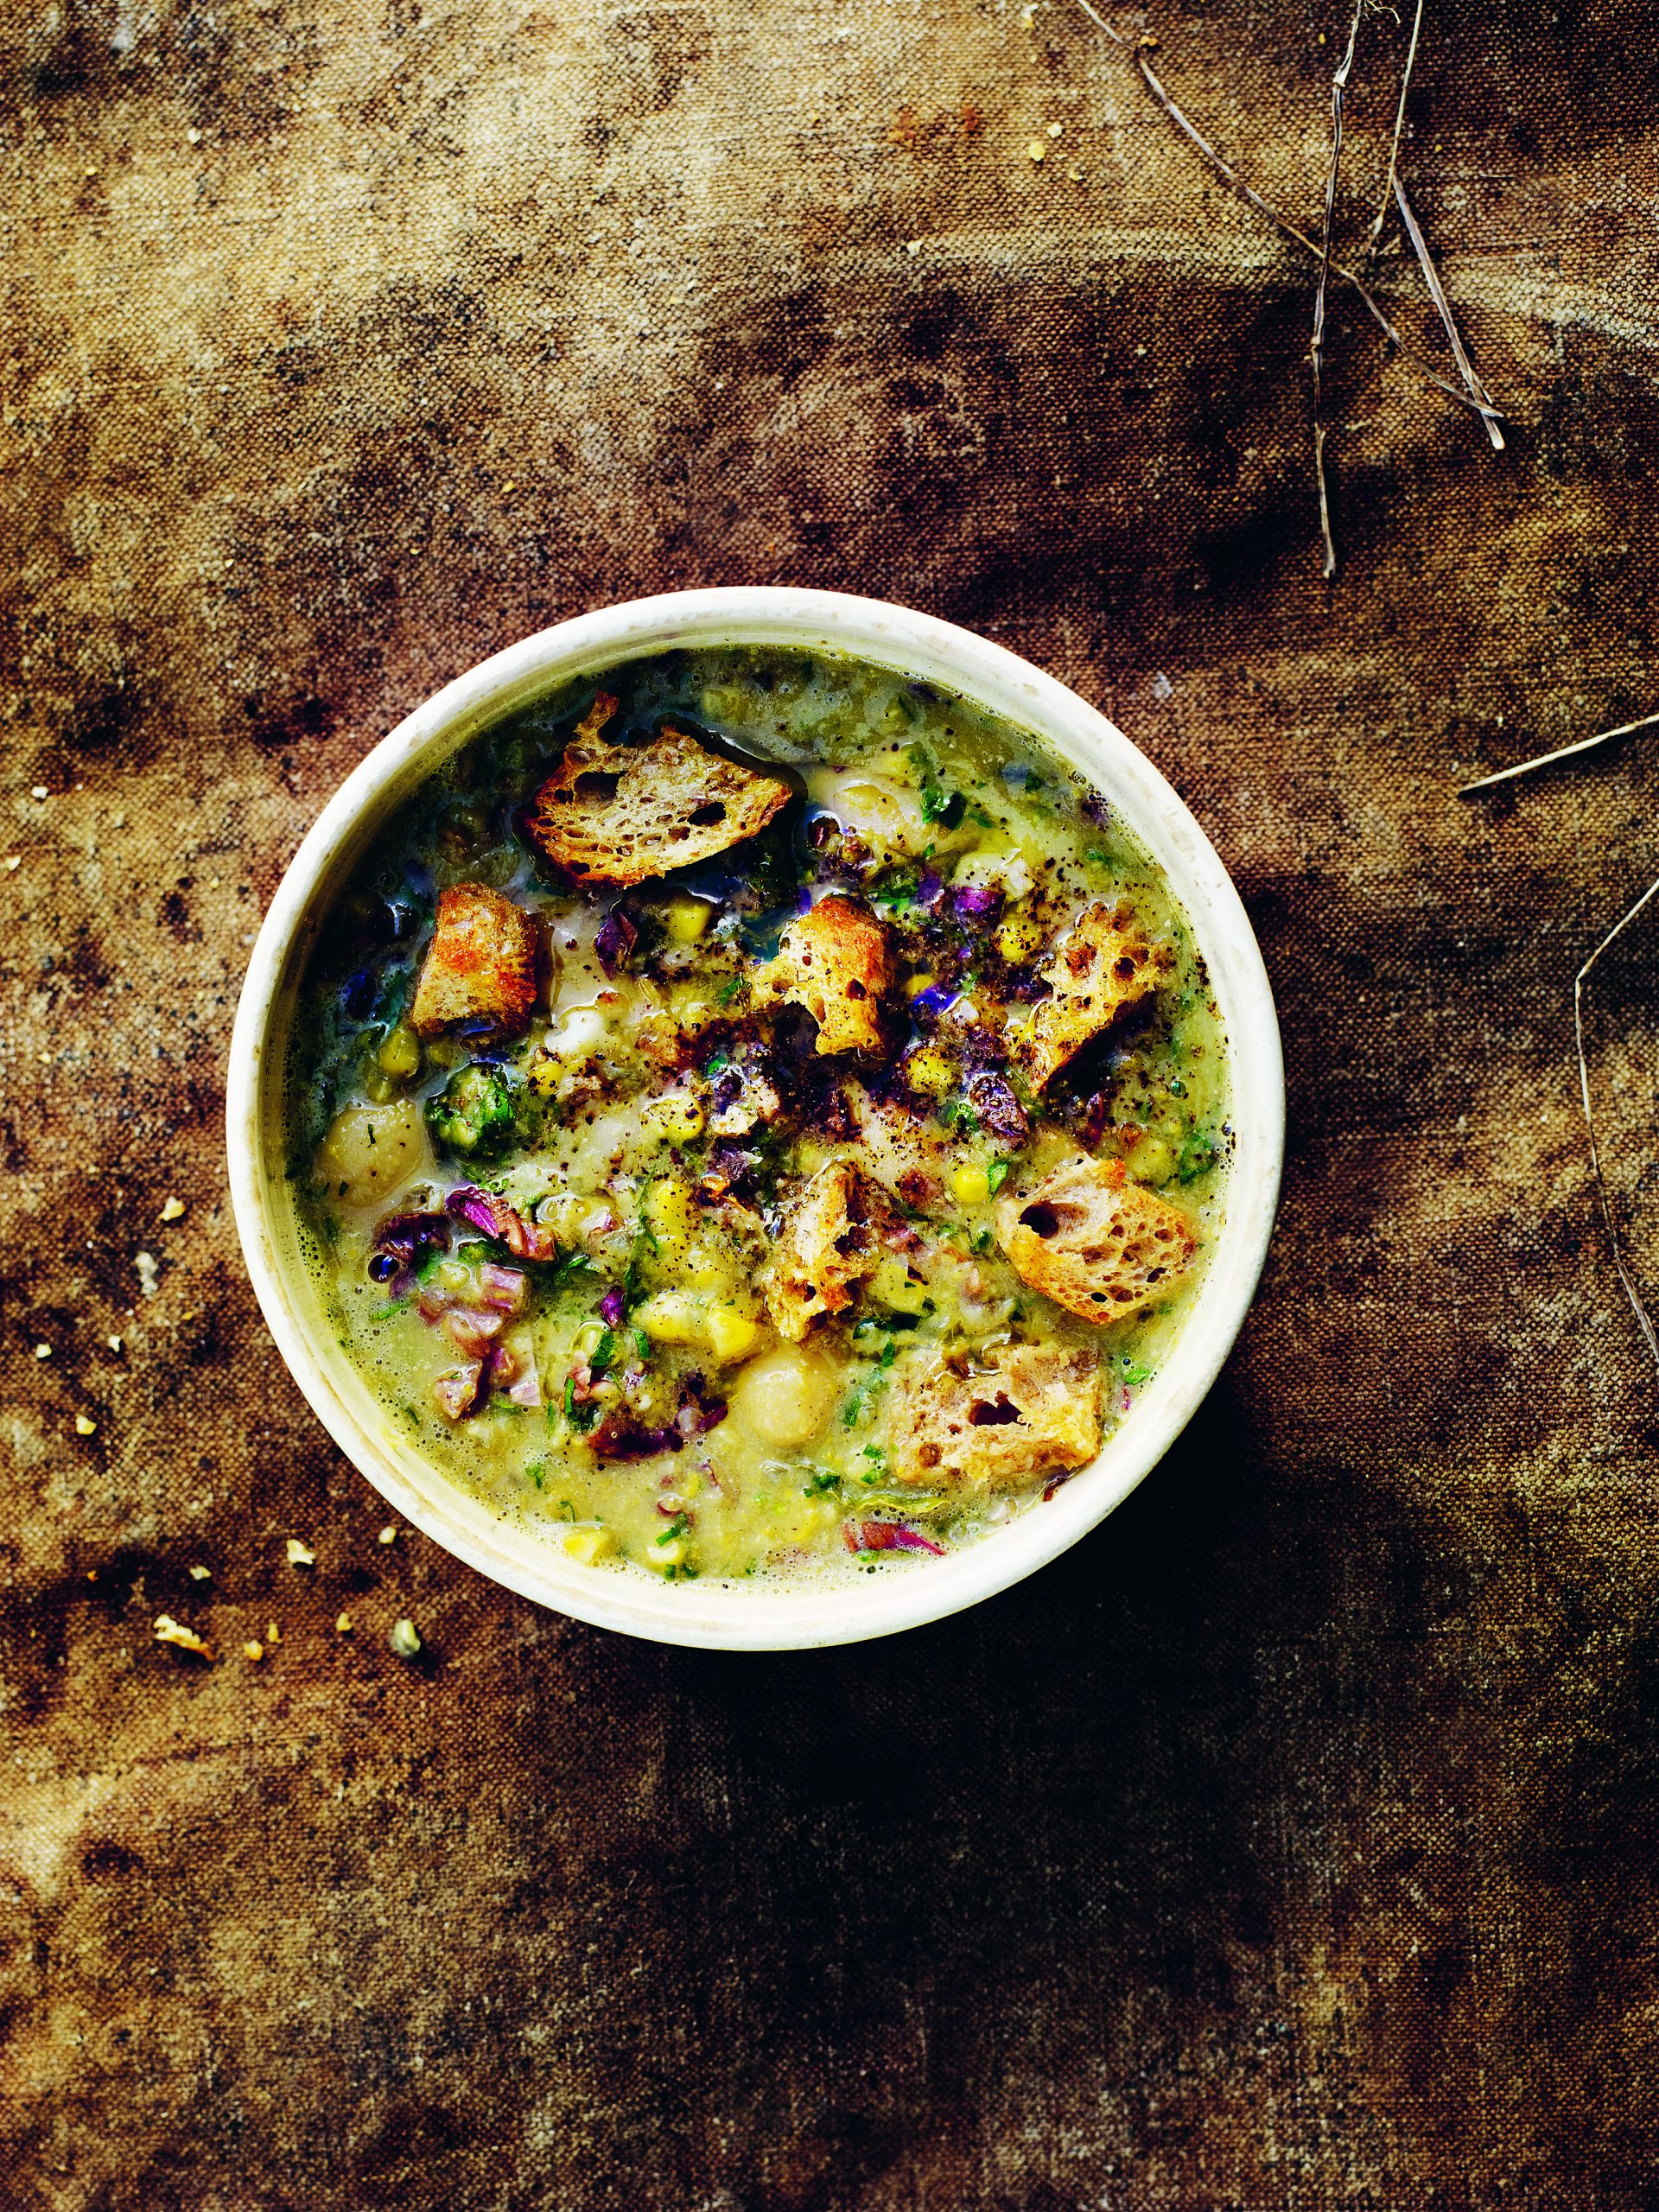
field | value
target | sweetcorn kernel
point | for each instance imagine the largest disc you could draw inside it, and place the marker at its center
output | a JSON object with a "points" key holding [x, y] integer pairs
{"points": [[677, 1118], [544, 1076], [685, 920], [915, 985], [590, 1545], [400, 1055], [731, 1335], [928, 1070], [1151, 1161], [970, 1186], [705, 1268], [672, 1553], [1019, 935], [671, 1317], [668, 1207]]}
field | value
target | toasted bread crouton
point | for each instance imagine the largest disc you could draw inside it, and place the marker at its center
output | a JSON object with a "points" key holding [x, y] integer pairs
{"points": [[620, 814], [1093, 1242], [1102, 965], [833, 1237], [1034, 1411], [481, 964], [837, 962]]}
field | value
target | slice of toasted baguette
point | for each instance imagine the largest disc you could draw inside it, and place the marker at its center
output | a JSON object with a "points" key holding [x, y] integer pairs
{"points": [[1103, 964], [1034, 1411], [837, 962], [618, 814], [1093, 1242], [834, 1236], [481, 966]]}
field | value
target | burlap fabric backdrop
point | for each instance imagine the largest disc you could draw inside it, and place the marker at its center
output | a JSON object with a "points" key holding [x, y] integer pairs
{"points": [[1293, 1843]]}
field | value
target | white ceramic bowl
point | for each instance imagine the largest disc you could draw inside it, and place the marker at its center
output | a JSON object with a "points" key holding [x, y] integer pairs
{"points": [[745, 1616]]}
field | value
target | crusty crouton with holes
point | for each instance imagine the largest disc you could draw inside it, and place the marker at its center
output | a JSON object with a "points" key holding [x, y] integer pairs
{"points": [[622, 814], [834, 1236], [1035, 1410], [837, 963], [1102, 965], [482, 963], [1093, 1242]]}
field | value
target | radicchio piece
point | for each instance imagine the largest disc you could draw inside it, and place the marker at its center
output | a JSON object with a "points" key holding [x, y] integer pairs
{"points": [[929, 887], [993, 1100], [975, 901], [888, 1536], [493, 1216], [621, 1436], [611, 1307], [699, 1409], [460, 1392], [934, 999], [618, 935], [401, 1243]]}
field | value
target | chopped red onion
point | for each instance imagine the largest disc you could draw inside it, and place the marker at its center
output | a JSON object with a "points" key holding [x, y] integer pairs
{"points": [[618, 935], [503, 1288], [494, 1217], [974, 901], [401, 1243], [888, 1536], [611, 1308], [460, 1392], [473, 1328]]}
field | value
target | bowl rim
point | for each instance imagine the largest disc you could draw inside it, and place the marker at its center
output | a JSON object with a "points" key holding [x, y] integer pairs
{"points": [[737, 1616]]}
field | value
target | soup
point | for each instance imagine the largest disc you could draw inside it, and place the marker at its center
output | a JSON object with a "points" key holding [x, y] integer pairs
{"points": [[756, 1114]]}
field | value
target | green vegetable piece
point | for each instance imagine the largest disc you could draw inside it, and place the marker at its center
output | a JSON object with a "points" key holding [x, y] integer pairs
{"points": [[474, 1112], [1199, 1155]]}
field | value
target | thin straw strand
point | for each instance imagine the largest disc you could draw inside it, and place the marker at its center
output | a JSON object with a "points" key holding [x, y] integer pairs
{"points": [[1252, 198], [1562, 753], [1437, 292], [1374, 238], [1339, 90], [1637, 1305]]}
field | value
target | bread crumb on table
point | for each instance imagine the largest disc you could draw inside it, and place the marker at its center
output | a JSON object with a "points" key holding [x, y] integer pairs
{"points": [[168, 1630]]}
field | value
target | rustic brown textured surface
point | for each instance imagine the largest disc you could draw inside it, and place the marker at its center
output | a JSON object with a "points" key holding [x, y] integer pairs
{"points": [[1292, 1843]]}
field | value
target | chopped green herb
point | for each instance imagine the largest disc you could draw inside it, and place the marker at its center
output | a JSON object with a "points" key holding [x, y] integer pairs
{"points": [[1199, 1155], [998, 1174], [728, 992], [816, 1484]]}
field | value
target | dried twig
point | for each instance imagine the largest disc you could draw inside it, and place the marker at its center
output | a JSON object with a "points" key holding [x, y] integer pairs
{"points": [[1252, 198], [1338, 91], [1637, 1305], [1562, 753], [1477, 390], [1381, 217]]}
